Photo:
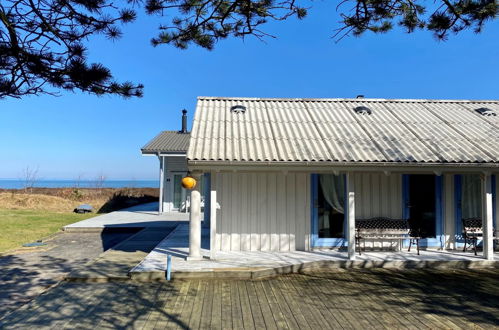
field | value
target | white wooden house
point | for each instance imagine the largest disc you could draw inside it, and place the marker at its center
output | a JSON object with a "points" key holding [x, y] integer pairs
{"points": [[295, 174]]}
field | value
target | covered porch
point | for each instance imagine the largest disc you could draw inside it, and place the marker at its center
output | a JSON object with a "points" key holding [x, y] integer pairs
{"points": [[433, 201], [260, 264]]}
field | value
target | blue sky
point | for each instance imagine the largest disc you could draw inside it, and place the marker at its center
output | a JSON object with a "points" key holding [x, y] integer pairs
{"points": [[79, 134]]}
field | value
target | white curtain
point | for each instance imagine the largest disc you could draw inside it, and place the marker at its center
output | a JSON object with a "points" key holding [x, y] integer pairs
{"points": [[333, 189], [471, 201]]}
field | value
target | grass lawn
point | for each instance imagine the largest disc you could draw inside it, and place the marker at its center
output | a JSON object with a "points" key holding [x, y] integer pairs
{"points": [[24, 226]]}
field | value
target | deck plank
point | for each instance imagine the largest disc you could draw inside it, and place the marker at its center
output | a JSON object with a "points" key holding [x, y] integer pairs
{"points": [[375, 299], [171, 311], [275, 309], [197, 307], [292, 302], [226, 305], [256, 309], [248, 322], [207, 306], [236, 313], [268, 317]]}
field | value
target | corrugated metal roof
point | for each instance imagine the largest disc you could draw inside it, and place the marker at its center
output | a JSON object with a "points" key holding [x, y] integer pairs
{"points": [[168, 141], [418, 131]]}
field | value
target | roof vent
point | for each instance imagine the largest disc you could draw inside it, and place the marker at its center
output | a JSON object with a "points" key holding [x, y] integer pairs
{"points": [[360, 96], [238, 108], [486, 112], [362, 110], [184, 122]]}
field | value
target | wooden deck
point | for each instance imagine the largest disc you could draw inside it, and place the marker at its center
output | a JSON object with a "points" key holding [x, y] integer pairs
{"points": [[347, 299]]}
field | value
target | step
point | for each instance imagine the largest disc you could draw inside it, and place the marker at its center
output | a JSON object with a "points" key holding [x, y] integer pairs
{"points": [[115, 263]]}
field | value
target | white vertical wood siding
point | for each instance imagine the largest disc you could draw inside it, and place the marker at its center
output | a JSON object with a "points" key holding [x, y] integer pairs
{"points": [[176, 164], [262, 211], [378, 195], [272, 211]]}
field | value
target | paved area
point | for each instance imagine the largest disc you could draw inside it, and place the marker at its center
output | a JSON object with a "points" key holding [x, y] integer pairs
{"points": [[352, 299], [252, 263], [144, 215], [27, 273], [115, 263]]}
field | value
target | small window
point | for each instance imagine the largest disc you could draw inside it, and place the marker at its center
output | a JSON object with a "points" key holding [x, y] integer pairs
{"points": [[486, 112], [238, 108], [362, 110]]}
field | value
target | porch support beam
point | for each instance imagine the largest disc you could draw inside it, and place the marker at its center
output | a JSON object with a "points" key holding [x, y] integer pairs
{"points": [[161, 183], [487, 221], [350, 211], [195, 222], [213, 223]]}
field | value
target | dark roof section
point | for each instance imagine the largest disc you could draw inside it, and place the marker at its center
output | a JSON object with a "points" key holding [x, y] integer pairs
{"points": [[168, 142]]}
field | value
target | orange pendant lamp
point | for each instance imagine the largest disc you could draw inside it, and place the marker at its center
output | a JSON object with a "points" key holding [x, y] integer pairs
{"points": [[188, 182]]}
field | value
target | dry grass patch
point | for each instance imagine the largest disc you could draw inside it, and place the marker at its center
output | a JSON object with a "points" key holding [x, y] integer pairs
{"points": [[38, 202]]}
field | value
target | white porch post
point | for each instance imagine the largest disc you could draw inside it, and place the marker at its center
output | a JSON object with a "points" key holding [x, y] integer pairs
{"points": [[350, 211], [213, 223], [488, 243], [195, 223], [161, 182]]}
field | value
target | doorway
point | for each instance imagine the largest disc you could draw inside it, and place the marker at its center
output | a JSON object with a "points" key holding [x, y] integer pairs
{"points": [[423, 207], [328, 215]]}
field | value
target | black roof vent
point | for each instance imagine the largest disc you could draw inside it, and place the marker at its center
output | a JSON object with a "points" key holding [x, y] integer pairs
{"points": [[363, 110], [360, 96], [184, 122], [238, 108], [486, 112]]}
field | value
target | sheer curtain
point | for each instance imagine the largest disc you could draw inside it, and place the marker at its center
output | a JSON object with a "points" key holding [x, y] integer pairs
{"points": [[333, 189], [471, 201]]}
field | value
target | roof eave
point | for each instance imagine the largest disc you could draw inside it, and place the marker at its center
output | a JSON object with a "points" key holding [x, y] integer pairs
{"points": [[163, 152], [331, 166]]}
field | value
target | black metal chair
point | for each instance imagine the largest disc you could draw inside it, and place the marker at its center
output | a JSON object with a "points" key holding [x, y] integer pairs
{"points": [[472, 230]]}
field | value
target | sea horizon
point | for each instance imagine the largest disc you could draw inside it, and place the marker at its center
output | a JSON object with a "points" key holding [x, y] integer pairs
{"points": [[7, 183]]}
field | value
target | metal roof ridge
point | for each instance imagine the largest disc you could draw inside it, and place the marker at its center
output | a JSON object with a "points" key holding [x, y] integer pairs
{"points": [[228, 98]]}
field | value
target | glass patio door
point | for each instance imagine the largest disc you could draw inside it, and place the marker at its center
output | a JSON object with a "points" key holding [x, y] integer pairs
{"points": [[468, 201], [179, 193], [328, 214]]}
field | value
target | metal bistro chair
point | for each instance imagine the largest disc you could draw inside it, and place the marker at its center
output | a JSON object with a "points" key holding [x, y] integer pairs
{"points": [[472, 230]]}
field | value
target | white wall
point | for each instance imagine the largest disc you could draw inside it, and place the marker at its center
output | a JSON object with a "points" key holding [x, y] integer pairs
{"points": [[272, 211], [262, 211], [378, 195]]}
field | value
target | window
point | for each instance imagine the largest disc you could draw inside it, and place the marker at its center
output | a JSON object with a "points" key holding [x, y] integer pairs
{"points": [[471, 198], [331, 202]]}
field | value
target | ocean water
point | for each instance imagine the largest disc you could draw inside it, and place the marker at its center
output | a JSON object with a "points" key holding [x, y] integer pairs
{"points": [[19, 184]]}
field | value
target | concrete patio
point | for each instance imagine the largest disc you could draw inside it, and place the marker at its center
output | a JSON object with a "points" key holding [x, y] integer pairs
{"points": [[144, 215]]}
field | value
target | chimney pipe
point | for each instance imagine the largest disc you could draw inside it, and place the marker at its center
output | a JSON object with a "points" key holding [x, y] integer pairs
{"points": [[184, 122]]}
